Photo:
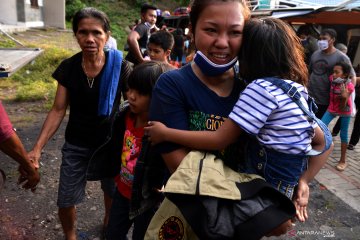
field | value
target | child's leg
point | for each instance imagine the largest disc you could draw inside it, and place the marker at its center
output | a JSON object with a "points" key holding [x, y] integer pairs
{"points": [[327, 118], [344, 127], [119, 222]]}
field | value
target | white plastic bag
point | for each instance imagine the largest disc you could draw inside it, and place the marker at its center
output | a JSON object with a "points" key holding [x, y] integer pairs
{"points": [[353, 108]]}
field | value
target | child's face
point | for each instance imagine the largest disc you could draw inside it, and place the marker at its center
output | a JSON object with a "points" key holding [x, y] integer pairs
{"points": [[338, 72], [156, 53], [138, 103]]}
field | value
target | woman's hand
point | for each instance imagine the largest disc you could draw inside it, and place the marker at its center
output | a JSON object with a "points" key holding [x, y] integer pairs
{"points": [[301, 200], [34, 157], [156, 132], [29, 177]]}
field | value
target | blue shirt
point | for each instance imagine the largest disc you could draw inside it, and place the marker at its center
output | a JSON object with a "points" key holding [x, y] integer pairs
{"points": [[181, 101]]}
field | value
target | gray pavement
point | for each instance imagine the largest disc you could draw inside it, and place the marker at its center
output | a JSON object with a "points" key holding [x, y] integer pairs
{"points": [[346, 184]]}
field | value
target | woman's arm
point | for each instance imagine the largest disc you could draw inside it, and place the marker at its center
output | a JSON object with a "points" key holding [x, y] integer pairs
{"points": [[52, 123], [206, 140]]}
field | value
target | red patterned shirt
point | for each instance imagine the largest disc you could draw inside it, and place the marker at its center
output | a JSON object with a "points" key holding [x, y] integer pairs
{"points": [[130, 153]]}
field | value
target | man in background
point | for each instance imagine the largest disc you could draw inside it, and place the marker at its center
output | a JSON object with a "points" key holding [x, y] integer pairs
{"points": [[321, 67], [138, 38]]}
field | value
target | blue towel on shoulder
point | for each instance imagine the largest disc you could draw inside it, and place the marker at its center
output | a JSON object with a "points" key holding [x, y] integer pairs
{"points": [[109, 82]]}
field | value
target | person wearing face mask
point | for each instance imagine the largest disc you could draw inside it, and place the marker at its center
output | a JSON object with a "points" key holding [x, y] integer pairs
{"points": [[321, 66], [308, 42], [138, 38]]}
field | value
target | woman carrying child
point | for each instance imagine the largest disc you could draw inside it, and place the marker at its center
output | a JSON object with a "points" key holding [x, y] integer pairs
{"points": [[201, 95], [293, 143], [340, 105]]}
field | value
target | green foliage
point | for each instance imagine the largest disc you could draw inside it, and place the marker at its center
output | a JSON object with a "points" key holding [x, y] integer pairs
{"points": [[34, 80], [72, 6], [183, 2], [37, 90], [6, 42]]}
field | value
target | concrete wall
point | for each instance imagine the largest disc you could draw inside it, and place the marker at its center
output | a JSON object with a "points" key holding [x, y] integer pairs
{"points": [[54, 13], [19, 12], [8, 13]]}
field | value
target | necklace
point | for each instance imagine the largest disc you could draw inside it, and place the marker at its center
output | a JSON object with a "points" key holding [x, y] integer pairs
{"points": [[90, 80]]}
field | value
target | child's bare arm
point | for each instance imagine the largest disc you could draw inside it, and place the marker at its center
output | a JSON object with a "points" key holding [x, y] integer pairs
{"points": [[315, 163], [206, 140]]}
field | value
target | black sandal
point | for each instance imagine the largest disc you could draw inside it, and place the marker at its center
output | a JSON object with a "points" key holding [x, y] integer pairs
{"points": [[350, 147]]}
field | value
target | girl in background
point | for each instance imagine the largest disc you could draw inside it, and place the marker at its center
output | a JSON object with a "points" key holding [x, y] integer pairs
{"points": [[340, 105]]}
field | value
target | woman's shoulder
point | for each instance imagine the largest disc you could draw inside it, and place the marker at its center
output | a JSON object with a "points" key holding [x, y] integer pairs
{"points": [[177, 76], [73, 59], [65, 67]]}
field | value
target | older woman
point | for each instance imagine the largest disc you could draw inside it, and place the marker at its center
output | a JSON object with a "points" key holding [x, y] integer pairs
{"points": [[89, 82]]}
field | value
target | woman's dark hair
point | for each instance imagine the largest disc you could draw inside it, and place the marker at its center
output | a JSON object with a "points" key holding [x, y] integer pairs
{"points": [[90, 12], [346, 68], [270, 48], [144, 76], [198, 6]]}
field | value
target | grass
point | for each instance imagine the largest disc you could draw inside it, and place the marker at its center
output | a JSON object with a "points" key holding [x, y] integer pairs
{"points": [[34, 82]]}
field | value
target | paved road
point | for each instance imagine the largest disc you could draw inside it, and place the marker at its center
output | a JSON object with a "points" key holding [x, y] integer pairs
{"points": [[346, 184]]}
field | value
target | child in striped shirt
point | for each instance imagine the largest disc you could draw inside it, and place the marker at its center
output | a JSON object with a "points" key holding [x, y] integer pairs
{"points": [[290, 144]]}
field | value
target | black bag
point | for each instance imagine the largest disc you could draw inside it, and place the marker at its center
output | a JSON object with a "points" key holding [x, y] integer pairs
{"points": [[106, 159], [261, 209]]}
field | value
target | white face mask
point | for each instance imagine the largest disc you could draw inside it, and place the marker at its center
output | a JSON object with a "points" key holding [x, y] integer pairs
{"points": [[323, 44], [149, 25]]}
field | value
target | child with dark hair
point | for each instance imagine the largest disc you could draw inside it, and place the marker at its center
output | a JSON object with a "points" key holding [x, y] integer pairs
{"points": [[340, 105], [160, 45], [290, 144], [140, 84]]}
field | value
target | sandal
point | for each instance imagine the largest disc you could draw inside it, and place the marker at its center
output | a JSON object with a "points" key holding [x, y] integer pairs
{"points": [[341, 166], [350, 147]]}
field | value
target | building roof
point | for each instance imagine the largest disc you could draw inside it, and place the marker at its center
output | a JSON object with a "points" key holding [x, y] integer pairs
{"points": [[315, 11]]}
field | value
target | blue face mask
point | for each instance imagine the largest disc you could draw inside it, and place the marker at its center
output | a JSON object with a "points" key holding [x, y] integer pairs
{"points": [[209, 68]]}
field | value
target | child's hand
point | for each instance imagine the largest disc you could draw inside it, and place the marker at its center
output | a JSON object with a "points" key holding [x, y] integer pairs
{"points": [[301, 199], [156, 132]]}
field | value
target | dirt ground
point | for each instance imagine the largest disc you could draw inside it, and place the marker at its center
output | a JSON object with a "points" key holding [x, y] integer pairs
{"points": [[33, 216]]}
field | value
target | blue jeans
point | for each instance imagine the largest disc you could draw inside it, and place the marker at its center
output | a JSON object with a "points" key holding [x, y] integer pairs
{"points": [[119, 222], [281, 170], [344, 124]]}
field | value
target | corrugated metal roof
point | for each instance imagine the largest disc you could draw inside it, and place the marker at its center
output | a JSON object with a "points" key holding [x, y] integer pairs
{"points": [[333, 5]]}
